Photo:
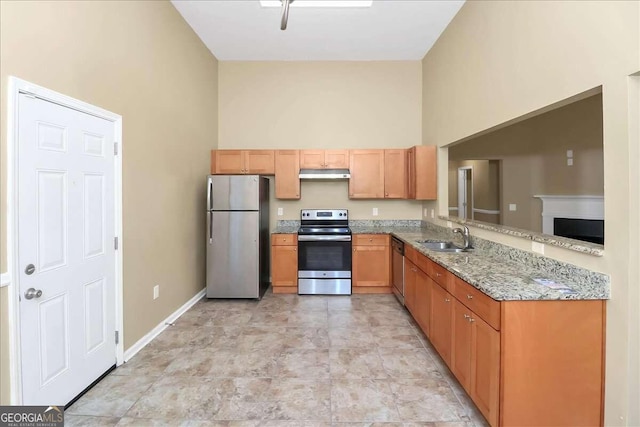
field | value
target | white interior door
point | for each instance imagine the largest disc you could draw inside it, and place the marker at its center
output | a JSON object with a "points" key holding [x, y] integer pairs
{"points": [[462, 193], [66, 256]]}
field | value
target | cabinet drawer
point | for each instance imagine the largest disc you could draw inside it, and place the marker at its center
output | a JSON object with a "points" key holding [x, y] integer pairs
{"points": [[410, 253], [371, 239], [440, 275], [485, 307], [284, 239]]}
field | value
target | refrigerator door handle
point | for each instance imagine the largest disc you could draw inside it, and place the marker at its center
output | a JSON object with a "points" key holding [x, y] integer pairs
{"points": [[209, 191], [210, 226]]}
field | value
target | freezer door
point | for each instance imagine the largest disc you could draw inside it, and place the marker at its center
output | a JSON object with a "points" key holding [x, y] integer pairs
{"points": [[235, 192], [232, 255]]}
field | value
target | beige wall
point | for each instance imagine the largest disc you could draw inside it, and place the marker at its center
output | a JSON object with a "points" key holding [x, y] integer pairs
{"points": [[498, 61], [533, 154], [323, 105], [141, 60]]}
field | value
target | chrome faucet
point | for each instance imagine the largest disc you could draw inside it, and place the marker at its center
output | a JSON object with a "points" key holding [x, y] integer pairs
{"points": [[464, 231]]}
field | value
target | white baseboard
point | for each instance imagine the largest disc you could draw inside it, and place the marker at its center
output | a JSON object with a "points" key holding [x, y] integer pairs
{"points": [[142, 342], [5, 279]]}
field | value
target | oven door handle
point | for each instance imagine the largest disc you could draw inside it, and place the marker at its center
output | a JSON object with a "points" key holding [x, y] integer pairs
{"points": [[309, 238]]}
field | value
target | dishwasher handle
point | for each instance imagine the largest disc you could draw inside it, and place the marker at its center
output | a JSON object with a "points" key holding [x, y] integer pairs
{"points": [[397, 245]]}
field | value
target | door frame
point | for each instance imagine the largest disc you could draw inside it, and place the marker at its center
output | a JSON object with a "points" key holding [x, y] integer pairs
{"points": [[16, 87], [468, 193]]}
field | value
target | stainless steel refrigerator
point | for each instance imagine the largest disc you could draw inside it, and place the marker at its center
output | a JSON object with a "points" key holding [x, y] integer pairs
{"points": [[237, 236]]}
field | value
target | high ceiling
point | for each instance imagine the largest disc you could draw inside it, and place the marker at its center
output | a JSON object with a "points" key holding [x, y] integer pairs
{"points": [[243, 30]]}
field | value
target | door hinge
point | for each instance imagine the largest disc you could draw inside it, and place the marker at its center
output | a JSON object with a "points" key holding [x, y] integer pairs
{"points": [[117, 337], [115, 243], [115, 148]]}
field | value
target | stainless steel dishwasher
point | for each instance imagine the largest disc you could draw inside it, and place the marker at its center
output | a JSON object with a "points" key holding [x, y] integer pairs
{"points": [[397, 268]]}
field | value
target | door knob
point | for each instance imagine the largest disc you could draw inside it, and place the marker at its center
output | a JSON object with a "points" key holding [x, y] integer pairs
{"points": [[30, 269], [33, 293]]}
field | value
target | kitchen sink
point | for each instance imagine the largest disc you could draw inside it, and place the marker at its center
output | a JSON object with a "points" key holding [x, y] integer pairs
{"points": [[440, 246]]}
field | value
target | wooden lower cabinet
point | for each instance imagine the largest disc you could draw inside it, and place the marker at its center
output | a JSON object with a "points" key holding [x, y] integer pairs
{"points": [[475, 359], [440, 333], [371, 263], [423, 301], [523, 363], [284, 263]]}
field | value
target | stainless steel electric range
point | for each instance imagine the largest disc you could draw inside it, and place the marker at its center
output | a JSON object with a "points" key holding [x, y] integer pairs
{"points": [[324, 252]]}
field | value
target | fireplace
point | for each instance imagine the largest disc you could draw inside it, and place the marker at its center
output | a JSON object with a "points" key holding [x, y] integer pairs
{"points": [[575, 217], [588, 230]]}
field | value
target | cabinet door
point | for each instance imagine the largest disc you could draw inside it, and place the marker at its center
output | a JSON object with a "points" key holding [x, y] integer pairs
{"points": [[411, 173], [287, 171], [284, 265], [441, 322], [229, 162], [311, 159], [425, 172], [423, 301], [410, 276], [395, 174], [260, 162], [367, 174], [370, 265], [461, 344], [336, 159], [485, 369]]}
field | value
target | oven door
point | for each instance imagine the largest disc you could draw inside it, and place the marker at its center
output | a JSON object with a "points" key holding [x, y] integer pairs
{"points": [[324, 257]]}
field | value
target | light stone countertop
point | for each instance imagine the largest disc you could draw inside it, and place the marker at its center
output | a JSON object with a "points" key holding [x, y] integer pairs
{"points": [[501, 272]]}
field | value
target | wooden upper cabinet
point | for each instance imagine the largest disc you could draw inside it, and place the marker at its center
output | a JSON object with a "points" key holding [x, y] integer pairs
{"points": [[260, 162], [287, 174], [324, 159], [336, 159], [395, 174], [422, 172], [367, 174], [235, 162]]}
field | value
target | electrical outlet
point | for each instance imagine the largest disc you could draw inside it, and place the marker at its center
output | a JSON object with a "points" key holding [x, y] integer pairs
{"points": [[569, 162], [433, 213], [449, 224], [537, 247], [280, 211], [156, 291], [375, 212], [569, 153], [425, 213], [513, 207]]}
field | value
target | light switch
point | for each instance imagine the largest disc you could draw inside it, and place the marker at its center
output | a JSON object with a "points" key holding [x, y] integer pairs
{"points": [[375, 212], [280, 211], [569, 153], [513, 207]]}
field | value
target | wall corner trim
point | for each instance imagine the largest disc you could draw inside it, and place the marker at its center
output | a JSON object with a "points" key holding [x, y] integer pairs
{"points": [[152, 334], [5, 279]]}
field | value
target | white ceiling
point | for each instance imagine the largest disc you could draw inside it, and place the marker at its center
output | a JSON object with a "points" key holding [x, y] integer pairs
{"points": [[242, 30]]}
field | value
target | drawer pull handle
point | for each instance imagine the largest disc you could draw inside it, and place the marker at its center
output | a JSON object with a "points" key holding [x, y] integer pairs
{"points": [[469, 296], [466, 316]]}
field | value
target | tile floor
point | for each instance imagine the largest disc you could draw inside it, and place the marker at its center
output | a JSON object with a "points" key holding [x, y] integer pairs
{"points": [[287, 360]]}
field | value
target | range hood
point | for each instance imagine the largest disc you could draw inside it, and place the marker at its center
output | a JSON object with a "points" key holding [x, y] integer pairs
{"points": [[324, 174]]}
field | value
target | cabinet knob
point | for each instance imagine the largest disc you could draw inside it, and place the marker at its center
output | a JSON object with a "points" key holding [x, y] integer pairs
{"points": [[469, 296], [466, 316], [471, 320], [371, 240], [386, 194], [447, 300], [438, 274], [295, 249]]}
